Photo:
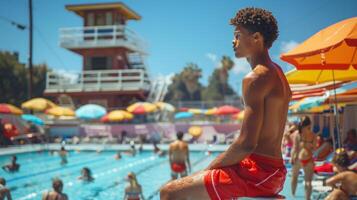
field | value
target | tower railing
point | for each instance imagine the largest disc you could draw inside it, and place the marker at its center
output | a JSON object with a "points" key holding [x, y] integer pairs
{"points": [[101, 36], [98, 80]]}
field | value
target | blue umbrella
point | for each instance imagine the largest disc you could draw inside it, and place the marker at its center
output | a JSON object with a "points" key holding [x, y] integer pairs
{"points": [[90, 112], [33, 119], [183, 115]]}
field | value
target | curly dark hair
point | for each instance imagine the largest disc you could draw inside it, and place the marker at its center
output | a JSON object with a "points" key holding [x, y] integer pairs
{"points": [[341, 159], [258, 20]]}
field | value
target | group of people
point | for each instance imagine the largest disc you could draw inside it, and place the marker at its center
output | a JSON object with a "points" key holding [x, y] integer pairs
{"points": [[304, 147]]}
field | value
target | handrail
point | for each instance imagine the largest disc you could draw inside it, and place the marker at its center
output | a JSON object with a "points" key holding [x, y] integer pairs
{"points": [[70, 37], [100, 80]]}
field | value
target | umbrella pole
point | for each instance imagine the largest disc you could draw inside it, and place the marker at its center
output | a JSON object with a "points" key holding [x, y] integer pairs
{"points": [[336, 113]]}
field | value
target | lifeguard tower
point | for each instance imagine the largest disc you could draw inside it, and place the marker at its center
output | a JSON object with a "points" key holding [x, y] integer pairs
{"points": [[113, 72]]}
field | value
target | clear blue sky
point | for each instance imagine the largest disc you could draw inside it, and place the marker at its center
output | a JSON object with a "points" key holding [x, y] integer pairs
{"points": [[177, 32]]}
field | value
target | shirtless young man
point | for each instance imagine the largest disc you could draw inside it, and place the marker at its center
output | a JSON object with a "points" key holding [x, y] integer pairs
{"points": [[179, 157], [252, 166]]}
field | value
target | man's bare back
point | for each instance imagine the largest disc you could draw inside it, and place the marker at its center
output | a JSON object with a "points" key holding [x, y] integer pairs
{"points": [[54, 196], [275, 108], [178, 151]]}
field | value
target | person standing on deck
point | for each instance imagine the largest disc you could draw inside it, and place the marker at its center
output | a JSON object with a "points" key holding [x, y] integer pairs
{"points": [[252, 166], [179, 157]]}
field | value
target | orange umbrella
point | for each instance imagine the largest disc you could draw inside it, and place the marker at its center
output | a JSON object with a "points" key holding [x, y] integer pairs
{"points": [[331, 48], [9, 109]]}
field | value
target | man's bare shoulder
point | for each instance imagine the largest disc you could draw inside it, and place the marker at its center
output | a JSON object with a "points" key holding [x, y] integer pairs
{"points": [[257, 80]]}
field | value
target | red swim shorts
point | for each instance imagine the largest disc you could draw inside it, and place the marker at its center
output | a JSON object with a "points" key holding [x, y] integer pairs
{"points": [[178, 167], [255, 176]]}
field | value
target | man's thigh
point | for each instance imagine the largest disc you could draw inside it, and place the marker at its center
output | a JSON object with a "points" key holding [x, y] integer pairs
{"points": [[189, 187]]}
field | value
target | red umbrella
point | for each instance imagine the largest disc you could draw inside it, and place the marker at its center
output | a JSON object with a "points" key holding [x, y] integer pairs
{"points": [[227, 110]]}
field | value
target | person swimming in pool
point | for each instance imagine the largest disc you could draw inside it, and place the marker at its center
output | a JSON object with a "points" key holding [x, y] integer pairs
{"points": [[4, 191], [13, 166], [133, 191], [252, 165], [57, 193], [63, 155], [86, 175], [117, 156], [302, 156], [179, 157]]}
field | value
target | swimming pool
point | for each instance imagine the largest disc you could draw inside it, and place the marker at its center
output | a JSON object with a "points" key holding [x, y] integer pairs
{"points": [[37, 170]]}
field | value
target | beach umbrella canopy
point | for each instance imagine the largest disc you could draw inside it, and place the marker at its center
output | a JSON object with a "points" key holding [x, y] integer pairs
{"points": [[331, 48], [142, 108], [211, 111], [38, 104], [117, 116], [60, 111], [227, 110], [195, 111], [239, 116], [6, 108], [183, 115], [32, 118], [195, 131], [307, 103], [320, 76], [90, 112], [163, 106]]}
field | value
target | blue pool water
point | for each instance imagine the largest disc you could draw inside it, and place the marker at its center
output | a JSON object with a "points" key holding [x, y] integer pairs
{"points": [[37, 170]]}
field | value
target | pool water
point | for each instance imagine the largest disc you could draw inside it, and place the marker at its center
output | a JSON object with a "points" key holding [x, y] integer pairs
{"points": [[37, 170]]}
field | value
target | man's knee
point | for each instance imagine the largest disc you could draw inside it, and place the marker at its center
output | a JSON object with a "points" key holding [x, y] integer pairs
{"points": [[167, 191]]}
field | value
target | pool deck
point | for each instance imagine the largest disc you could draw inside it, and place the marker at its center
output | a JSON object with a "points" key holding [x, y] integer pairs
{"points": [[102, 147]]}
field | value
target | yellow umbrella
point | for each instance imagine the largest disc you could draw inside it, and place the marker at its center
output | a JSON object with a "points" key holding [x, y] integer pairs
{"points": [[38, 104], [60, 111], [141, 108], [195, 111], [195, 131], [211, 111], [320, 76], [240, 115], [163, 106], [10, 109], [119, 115]]}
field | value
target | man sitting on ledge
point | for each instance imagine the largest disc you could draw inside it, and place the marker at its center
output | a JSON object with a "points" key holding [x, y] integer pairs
{"points": [[252, 166]]}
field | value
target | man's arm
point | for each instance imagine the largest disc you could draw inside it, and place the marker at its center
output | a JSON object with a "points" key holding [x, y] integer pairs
{"points": [[255, 89], [335, 179]]}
